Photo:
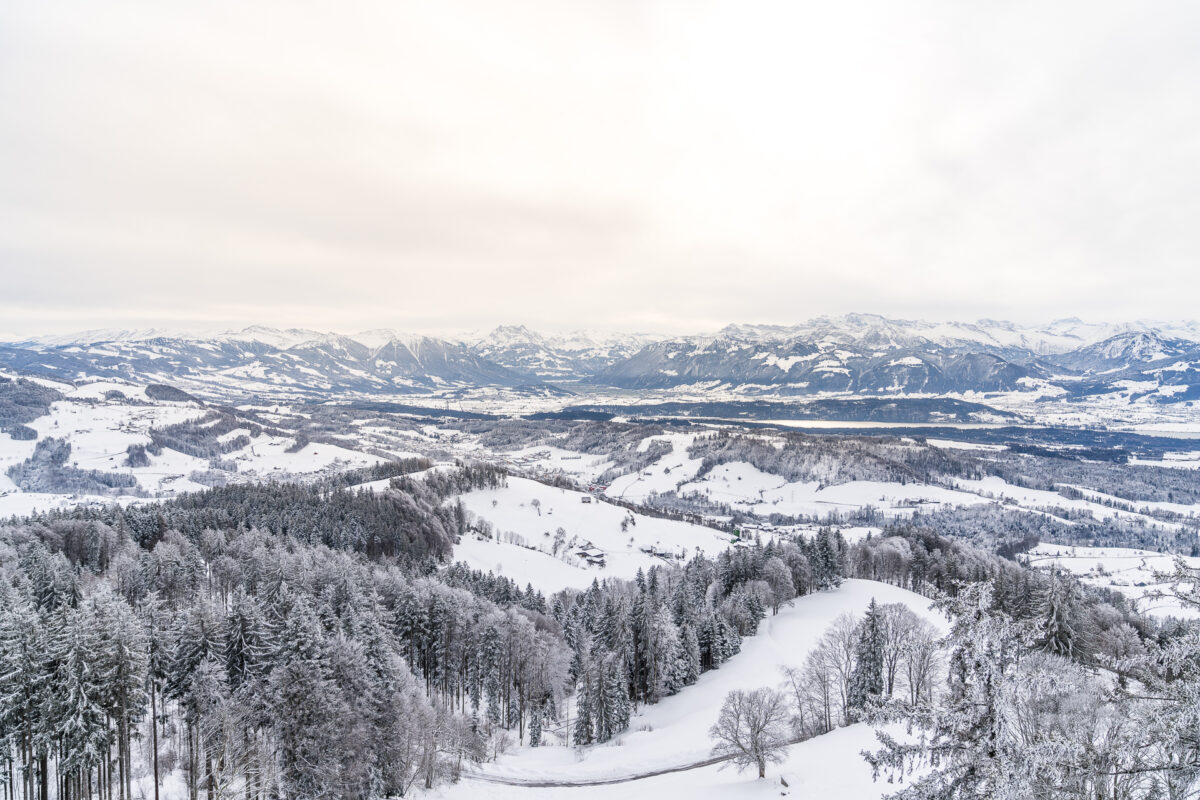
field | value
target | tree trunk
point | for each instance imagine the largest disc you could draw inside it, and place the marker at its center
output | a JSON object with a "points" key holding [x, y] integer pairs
{"points": [[154, 736]]}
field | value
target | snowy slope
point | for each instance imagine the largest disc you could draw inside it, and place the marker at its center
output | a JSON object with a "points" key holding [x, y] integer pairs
{"points": [[664, 475], [523, 547], [749, 489], [675, 731], [828, 766]]}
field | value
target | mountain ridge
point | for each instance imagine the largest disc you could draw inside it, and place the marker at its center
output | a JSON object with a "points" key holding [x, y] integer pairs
{"points": [[854, 353]]}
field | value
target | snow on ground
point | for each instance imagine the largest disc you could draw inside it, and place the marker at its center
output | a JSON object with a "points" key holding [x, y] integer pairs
{"points": [[947, 444], [1188, 460], [999, 489], [828, 766], [12, 451], [664, 475], [1141, 505], [385, 483], [750, 489], [675, 731], [100, 431], [268, 454], [22, 504], [545, 459], [521, 525], [1134, 573]]}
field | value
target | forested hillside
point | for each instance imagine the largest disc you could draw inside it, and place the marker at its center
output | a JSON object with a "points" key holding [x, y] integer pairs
{"points": [[276, 655]]}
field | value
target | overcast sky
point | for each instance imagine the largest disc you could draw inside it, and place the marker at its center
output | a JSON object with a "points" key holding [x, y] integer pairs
{"points": [[641, 165]]}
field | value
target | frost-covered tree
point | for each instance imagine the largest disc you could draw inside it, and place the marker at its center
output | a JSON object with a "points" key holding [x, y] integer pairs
{"points": [[779, 578], [965, 746], [866, 677], [1061, 619], [752, 729]]}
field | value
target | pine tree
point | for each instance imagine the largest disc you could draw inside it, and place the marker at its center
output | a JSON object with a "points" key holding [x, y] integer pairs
{"points": [[866, 678], [247, 642], [25, 682], [616, 699], [1060, 617], [309, 706], [585, 701], [122, 664], [689, 652], [80, 723]]}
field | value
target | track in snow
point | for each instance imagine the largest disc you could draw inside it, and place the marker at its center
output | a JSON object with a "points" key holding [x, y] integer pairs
{"points": [[541, 783]]}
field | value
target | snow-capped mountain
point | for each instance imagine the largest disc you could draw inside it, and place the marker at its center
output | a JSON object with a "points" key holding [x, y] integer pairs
{"points": [[879, 362], [868, 353], [564, 357], [265, 360], [989, 335], [856, 353], [1130, 350]]}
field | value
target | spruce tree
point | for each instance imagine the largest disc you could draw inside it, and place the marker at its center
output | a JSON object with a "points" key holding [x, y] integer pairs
{"points": [[866, 678]]}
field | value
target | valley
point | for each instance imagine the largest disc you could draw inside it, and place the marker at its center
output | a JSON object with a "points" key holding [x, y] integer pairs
{"points": [[509, 484]]}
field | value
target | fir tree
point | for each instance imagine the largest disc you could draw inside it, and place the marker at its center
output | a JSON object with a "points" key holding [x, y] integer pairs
{"points": [[866, 678]]}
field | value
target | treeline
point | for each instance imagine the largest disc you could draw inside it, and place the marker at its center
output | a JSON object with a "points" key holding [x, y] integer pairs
{"points": [[831, 460], [411, 525], [635, 642], [260, 663], [1087, 624], [201, 438], [996, 527], [1137, 483], [381, 471], [46, 470], [22, 401]]}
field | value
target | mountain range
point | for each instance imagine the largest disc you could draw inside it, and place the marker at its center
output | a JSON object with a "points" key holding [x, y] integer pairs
{"points": [[856, 353]]}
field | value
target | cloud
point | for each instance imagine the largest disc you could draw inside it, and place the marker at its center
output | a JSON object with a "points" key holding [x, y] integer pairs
{"points": [[657, 164]]}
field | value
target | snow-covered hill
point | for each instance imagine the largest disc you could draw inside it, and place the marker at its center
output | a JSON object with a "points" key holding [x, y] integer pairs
{"points": [[525, 545], [674, 731]]}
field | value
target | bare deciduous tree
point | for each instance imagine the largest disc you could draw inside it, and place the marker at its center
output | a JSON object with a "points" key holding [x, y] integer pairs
{"points": [[752, 728]]}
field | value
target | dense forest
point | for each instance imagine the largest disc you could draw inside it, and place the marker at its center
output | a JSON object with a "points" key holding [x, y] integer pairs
{"points": [[266, 636]]}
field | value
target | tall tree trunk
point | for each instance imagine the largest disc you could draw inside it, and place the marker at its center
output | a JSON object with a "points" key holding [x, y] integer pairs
{"points": [[120, 762], [193, 766], [154, 735]]}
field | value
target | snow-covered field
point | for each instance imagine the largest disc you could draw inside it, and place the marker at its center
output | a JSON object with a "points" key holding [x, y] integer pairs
{"points": [[526, 516], [1186, 460], [997, 489], [100, 430], [664, 475], [674, 732], [750, 489], [1137, 574]]}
